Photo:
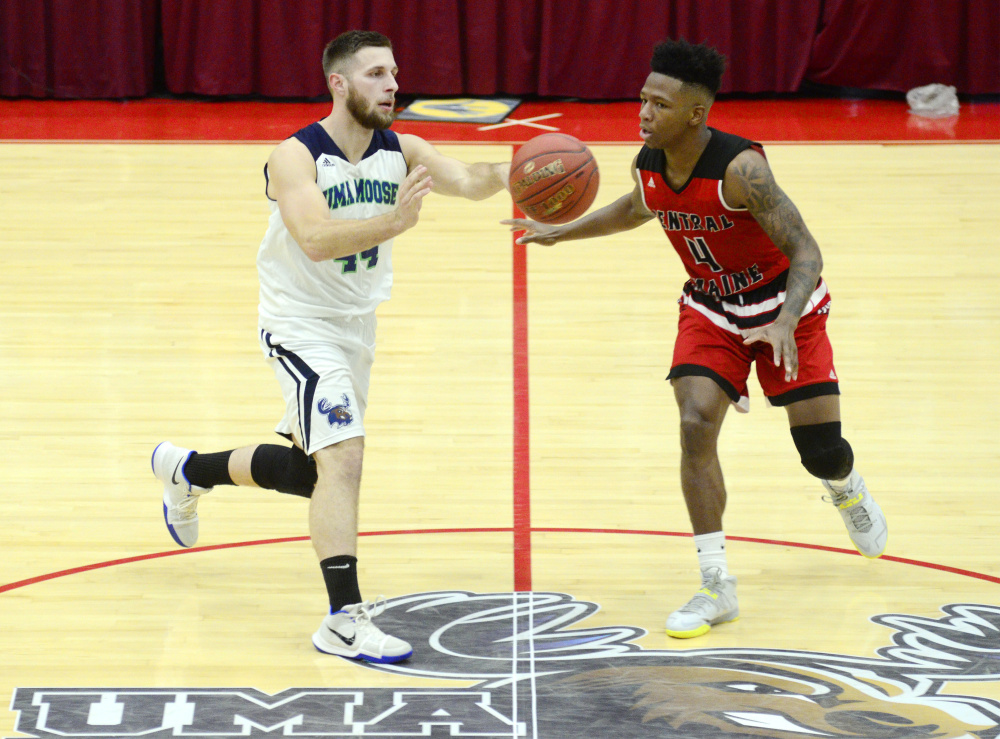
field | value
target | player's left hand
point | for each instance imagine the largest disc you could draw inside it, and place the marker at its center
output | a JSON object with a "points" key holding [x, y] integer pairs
{"points": [[534, 232], [781, 336]]}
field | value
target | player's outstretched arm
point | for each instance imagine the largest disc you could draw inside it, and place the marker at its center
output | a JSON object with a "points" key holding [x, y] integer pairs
{"points": [[750, 184], [454, 177], [627, 212], [292, 182]]}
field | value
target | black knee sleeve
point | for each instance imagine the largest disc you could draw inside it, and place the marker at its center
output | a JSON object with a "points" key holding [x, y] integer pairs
{"points": [[287, 470], [824, 452]]}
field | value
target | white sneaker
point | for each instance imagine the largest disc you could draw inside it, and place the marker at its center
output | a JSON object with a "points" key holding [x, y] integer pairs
{"points": [[180, 497], [714, 604], [351, 633], [862, 516]]}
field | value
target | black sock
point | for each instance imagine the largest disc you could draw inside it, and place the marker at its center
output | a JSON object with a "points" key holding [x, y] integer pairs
{"points": [[341, 576], [208, 470]]}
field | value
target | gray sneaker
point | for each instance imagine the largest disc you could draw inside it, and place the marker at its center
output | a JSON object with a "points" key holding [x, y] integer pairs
{"points": [[180, 497], [862, 516], [714, 604]]}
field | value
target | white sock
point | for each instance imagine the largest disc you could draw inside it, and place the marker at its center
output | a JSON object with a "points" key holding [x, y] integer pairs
{"points": [[712, 551], [842, 485]]}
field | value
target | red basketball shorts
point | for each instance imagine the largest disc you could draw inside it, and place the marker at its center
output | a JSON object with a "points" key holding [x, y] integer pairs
{"points": [[706, 350]]}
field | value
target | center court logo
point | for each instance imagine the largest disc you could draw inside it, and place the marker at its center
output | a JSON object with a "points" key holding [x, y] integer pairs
{"points": [[538, 672]]}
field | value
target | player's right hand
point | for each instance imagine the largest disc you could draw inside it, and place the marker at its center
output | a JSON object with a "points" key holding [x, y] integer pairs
{"points": [[411, 196], [534, 232]]}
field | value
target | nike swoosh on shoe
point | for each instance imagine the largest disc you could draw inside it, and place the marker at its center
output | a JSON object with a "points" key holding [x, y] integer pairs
{"points": [[348, 642]]}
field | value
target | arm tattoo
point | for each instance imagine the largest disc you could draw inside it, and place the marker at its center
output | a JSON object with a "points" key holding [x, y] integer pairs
{"points": [[781, 220]]}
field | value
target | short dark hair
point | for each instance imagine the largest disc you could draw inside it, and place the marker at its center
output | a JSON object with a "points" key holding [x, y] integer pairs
{"points": [[347, 45], [693, 64]]}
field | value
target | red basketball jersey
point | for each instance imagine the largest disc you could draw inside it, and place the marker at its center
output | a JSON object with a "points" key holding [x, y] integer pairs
{"points": [[737, 274]]}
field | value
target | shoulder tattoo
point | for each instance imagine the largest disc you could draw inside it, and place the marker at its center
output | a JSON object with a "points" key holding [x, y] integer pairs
{"points": [[762, 192]]}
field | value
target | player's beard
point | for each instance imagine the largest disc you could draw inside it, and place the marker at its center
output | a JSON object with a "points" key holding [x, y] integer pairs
{"points": [[367, 117]]}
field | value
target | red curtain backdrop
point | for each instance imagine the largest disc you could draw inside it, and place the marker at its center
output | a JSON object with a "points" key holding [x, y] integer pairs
{"points": [[899, 45], [601, 50], [443, 47], [565, 48], [588, 49], [78, 48]]}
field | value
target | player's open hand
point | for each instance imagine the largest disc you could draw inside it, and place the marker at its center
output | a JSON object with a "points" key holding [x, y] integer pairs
{"points": [[411, 196], [781, 336], [534, 232]]}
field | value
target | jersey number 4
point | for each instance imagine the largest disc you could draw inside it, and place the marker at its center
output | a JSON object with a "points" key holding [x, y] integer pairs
{"points": [[701, 253], [350, 264]]}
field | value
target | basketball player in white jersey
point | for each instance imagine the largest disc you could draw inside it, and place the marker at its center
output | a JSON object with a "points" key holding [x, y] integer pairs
{"points": [[340, 190]]}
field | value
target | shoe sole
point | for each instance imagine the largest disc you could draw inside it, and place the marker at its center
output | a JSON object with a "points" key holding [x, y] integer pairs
{"points": [[873, 556], [170, 528], [884, 546], [703, 629], [173, 532], [323, 648]]}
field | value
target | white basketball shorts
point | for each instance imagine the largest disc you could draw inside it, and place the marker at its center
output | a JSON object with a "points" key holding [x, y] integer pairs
{"points": [[323, 366]]}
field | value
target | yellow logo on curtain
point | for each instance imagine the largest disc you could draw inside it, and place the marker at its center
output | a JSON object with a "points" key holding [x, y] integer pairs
{"points": [[460, 110]]}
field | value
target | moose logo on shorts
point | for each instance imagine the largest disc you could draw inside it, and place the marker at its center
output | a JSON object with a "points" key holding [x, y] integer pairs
{"points": [[338, 415]]}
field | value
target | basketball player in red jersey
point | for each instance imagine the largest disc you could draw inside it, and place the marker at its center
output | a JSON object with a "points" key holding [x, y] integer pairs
{"points": [[755, 296]]}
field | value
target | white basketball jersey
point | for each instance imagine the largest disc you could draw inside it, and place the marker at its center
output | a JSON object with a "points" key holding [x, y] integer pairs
{"points": [[291, 284]]}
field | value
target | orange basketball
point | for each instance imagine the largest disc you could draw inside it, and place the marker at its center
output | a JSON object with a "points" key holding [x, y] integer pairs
{"points": [[554, 178]]}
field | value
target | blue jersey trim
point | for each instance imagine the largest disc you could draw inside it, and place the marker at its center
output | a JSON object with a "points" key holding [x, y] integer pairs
{"points": [[267, 181], [318, 142]]}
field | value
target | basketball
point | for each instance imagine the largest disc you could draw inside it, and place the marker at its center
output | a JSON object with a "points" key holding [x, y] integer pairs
{"points": [[554, 178]]}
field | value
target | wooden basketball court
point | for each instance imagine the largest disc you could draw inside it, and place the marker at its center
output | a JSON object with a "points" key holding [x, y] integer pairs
{"points": [[521, 438]]}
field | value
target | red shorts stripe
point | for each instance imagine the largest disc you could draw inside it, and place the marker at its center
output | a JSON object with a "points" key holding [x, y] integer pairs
{"points": [[704, 349]]}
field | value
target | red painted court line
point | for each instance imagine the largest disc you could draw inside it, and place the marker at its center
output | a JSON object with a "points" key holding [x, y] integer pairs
{"points": [[522, 425], [214, 547], [500, 530], [139, 558], [941, 568], [778, 542]]}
